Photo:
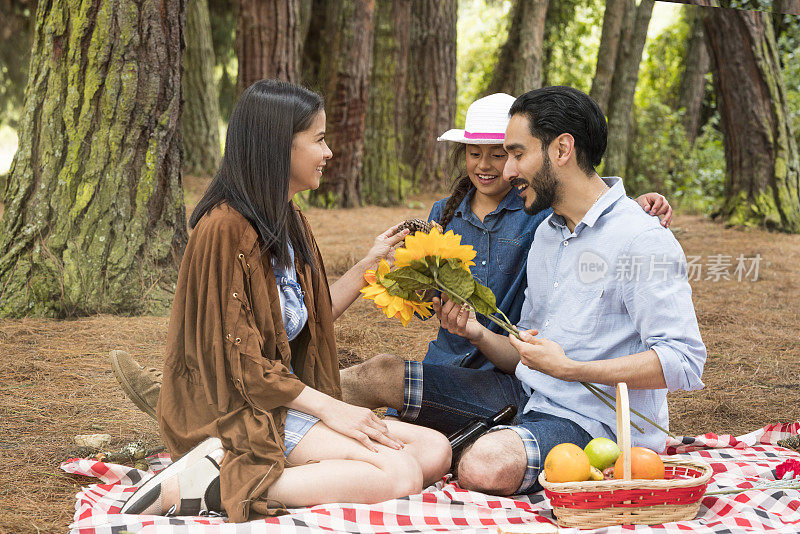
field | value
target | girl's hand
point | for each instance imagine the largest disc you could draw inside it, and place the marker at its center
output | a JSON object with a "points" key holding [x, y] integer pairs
{"points": [[361, 424], [656, 205], [384, 246], [457, 319]]}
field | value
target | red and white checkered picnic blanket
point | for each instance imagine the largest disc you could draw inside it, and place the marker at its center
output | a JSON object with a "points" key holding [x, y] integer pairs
{"points": [[737, 461]]}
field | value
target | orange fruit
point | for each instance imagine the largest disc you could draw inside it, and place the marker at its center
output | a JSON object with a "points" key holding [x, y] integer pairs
{"points": [[567, 463], [645, 464]]}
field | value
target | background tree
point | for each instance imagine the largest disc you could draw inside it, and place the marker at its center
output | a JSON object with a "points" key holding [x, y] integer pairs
{"points": [[223, 37], [760, 149], [431, 86], [94, 215], [614, 14], [623, 87], [693, 81], [346, 63], [383, 172], [200, 118], [267, 37], [519, 67]]}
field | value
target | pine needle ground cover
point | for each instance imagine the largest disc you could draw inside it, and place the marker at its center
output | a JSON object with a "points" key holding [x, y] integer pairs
{"points": [[55, 382]]}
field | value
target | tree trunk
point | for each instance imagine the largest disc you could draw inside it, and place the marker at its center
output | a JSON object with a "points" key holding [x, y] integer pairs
{"points": [[346, 62], [200, 118], [623, 88], [94, 217], [431, 85], [763, 172], [267, 36], [314, 46], [383, 167], [790, 7], [607, 54], [693, 82], [519, 67]]}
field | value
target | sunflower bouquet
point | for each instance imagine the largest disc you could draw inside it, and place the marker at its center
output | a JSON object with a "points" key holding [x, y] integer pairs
{"points": [[430, 261], [436, 261]]}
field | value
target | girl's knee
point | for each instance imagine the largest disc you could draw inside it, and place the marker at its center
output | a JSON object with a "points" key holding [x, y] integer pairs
{"points": [[403, 472]]}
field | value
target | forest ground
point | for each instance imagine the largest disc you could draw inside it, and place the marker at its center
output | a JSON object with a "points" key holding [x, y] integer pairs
{"points": [[55, 381]]}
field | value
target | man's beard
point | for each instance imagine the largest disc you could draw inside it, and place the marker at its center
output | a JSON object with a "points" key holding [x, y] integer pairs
{"points": [[546, 186]]}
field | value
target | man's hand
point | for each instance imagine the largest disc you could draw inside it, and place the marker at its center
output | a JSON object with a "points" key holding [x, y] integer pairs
{"points": [[542, 354], [657, 205], [458, 319]]}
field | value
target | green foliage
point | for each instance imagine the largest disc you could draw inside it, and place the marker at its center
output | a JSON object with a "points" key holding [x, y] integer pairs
{"points": [[411, 279], [457, 280], [660, 156], [789, 49], [15, 52], [483, 300], [482, 30], [571, 41], [223, 36], [662, 160]]}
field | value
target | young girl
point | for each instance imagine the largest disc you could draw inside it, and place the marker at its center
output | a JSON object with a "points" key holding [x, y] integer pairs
{"points": [[250, 400], [488, 214]]}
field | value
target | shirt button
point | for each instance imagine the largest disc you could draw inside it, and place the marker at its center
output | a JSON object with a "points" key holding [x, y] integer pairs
{"points": [[483, 262], [484, 232], [566, 243], [555, 284], [547, 323]]}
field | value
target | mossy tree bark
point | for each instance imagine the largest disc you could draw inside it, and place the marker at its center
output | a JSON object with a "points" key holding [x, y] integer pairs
{"points": [[519, 67], [693, 80], [94, 216], [431, 90], [763, 172], [623, 86], [384, 173], [267, 41], [345, 67], [607, 54], [200, 118]]}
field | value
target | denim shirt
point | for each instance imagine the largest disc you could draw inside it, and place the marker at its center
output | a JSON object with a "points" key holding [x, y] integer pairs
{"points": [[616, 285], [501, 242], [290, 294]]}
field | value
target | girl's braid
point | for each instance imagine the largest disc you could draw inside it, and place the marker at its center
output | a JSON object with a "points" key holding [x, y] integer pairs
{"points": [[461, 185]]}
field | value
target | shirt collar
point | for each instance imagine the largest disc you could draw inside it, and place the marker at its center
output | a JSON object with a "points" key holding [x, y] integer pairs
{"points": [[603, 204], [512, 201]]}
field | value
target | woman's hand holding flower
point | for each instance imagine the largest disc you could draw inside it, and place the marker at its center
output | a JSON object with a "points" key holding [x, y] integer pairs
{"points": [[384, 246]]}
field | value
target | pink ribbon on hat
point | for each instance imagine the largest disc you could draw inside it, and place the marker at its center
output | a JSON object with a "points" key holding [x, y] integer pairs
{"points": [[479, 135]]}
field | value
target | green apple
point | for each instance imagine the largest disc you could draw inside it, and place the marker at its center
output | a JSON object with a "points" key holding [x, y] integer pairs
{"points": [[602, 452]]}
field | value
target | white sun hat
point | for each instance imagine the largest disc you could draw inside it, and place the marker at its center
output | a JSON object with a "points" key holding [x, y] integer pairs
{"points": [[486, 122]]}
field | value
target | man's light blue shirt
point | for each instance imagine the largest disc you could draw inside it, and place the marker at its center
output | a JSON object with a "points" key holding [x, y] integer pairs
{"points": [[615, 286]]}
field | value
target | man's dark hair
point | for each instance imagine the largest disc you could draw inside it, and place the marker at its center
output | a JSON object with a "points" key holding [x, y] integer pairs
{"points": [[552, 111], [253, 177]]}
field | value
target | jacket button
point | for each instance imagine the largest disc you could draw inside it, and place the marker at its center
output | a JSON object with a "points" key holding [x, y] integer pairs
{"points": [[235, 295]]}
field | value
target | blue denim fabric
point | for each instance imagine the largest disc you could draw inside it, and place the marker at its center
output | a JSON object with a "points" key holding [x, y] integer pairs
{"points": [[297, 425], [290, 294], [452, 396], [501, 242], [616, 285]]}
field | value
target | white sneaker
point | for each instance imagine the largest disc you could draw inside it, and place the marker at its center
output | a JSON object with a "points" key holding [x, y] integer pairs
{"points": [[187, 487]]}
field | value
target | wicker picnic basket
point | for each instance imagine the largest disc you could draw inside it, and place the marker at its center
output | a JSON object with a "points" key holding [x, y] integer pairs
{"points": [[594, 504]]}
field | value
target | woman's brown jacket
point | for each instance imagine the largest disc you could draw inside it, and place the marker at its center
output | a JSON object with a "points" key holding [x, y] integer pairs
{"points": [[226, 372]]}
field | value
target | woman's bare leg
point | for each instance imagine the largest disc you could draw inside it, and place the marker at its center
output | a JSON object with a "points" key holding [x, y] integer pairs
{"points": [[346, 471]]}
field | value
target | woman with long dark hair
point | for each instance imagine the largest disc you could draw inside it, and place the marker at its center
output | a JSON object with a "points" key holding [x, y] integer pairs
{"points": [[250, 401]]}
